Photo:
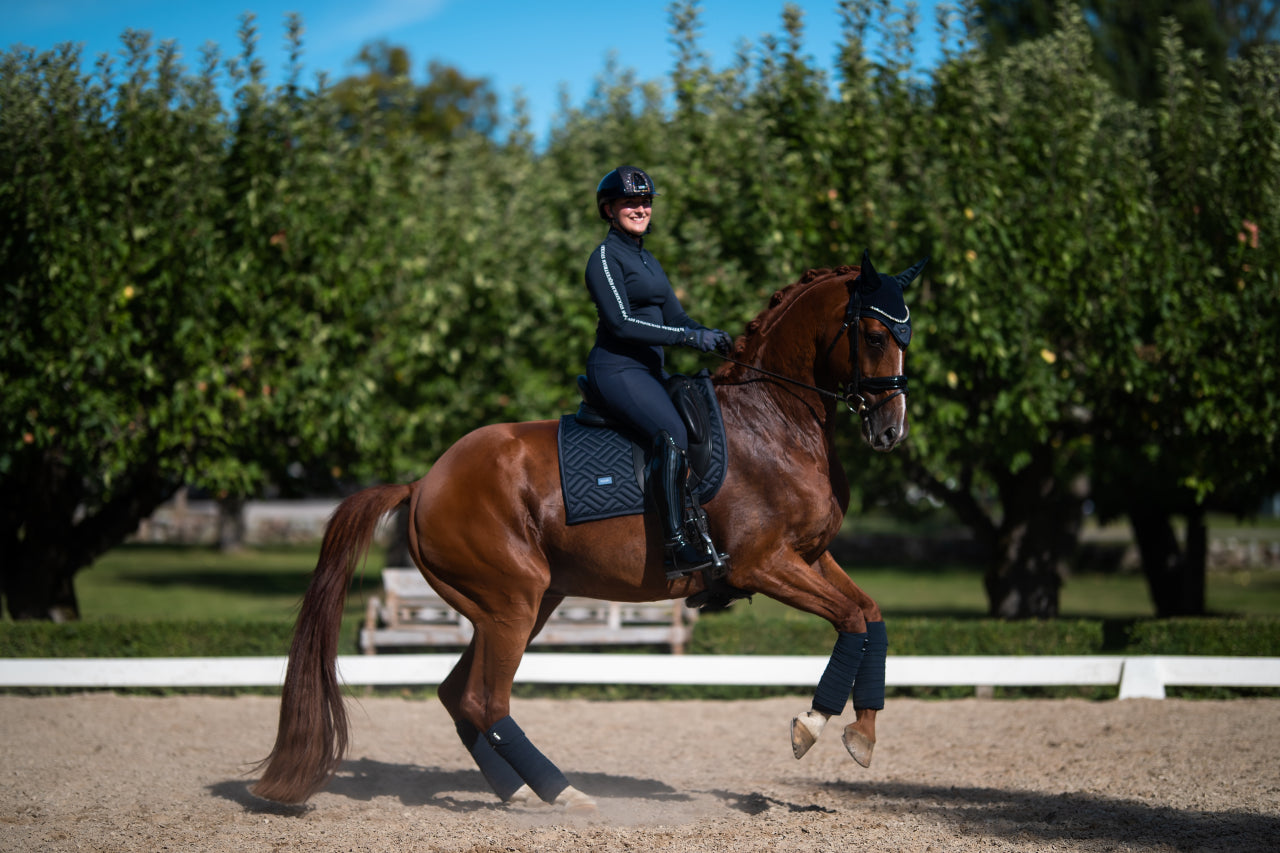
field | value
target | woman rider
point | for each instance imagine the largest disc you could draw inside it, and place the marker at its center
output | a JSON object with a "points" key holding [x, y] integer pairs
{"points": [[639, 314]]}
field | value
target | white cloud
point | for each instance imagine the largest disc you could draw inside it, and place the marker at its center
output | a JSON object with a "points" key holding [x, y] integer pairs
{"points": [[346, 24]]}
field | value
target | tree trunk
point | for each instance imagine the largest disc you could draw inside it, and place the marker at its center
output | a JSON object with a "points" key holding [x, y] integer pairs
{"points": [[37, 593], [39, 554], [231, 523], [1023, 580], [1040, 529], [1042, 513], [52, 528], [1175, 574]]}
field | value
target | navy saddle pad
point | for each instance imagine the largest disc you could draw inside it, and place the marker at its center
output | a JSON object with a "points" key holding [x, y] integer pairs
{"points": [[602, 470]]}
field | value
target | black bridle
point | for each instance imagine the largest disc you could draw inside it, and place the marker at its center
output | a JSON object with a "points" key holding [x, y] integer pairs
{"points": [[852, 396], [895, 385]]}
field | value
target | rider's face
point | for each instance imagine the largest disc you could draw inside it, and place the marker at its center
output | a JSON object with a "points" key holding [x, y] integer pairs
{"points": [[632, 214]]}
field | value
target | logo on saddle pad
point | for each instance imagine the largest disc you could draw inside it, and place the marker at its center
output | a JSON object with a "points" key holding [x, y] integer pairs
{"points": [[602, 468]]}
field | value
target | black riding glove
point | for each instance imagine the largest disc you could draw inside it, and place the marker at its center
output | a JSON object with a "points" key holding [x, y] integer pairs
{"points": [[708, 339]]}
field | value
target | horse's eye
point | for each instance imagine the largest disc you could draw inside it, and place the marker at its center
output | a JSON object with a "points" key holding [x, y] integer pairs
{"points": [[875, 339]]}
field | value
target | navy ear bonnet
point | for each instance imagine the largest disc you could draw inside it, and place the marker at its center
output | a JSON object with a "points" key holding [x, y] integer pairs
{"points": [[881, 297]]}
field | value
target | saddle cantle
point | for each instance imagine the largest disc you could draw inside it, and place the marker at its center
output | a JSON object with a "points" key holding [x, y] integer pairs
{"points": [[602, 461]]}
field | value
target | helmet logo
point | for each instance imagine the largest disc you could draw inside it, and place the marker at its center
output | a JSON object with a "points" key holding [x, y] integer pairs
{"points": [[623, 182]]}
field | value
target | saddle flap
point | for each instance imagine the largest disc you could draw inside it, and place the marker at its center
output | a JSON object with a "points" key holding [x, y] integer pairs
{"points": [[692, 406]]}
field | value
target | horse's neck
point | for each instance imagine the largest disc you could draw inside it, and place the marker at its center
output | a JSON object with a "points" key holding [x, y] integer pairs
{"points": [[785, 442], [789, 420]]}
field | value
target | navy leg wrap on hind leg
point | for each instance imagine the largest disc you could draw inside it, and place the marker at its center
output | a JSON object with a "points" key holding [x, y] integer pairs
{"points": [[868, 685], [510, 742], [497, 772], [837, 678]]}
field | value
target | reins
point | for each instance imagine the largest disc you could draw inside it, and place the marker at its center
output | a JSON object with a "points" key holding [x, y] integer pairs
{"points": [[823, 391]]}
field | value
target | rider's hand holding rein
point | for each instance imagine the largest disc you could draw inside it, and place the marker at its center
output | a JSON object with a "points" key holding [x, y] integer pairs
{"points": [[707, 340]]}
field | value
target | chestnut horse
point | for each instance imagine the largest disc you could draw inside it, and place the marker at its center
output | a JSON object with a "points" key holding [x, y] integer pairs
{"points": [[487, 529]]}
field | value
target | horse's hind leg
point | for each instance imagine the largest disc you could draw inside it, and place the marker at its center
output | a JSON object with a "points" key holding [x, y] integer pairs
{"points": [[478, 698], [502, 778], [504, 781]]}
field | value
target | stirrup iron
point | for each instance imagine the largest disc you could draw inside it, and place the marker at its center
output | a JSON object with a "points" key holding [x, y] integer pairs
{"points": [[709, 558]]}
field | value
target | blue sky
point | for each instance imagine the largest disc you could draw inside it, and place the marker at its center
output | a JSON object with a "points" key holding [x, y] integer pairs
{"points": [[538, 47]]}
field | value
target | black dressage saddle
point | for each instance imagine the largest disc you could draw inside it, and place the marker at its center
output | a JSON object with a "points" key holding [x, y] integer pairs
{"points": [[602, 461]]}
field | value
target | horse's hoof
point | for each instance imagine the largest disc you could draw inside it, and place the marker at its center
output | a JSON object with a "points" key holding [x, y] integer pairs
{"points": [[805, 730], [523, 796], [859, 745], [575, 802]]}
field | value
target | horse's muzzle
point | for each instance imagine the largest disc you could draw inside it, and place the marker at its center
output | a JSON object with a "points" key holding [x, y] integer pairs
{"points": [[884, 424]]}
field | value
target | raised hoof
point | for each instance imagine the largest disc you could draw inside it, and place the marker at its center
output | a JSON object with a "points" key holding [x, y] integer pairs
{"points": [[859, 745], [804, 732], [575, 802]]}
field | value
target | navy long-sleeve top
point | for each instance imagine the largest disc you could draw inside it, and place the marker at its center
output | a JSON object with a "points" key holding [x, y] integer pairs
{"points": [[637, 308]]}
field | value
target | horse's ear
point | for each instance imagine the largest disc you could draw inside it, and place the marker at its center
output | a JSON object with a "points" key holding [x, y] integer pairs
{"points": [[906, 277], [868, 278]]}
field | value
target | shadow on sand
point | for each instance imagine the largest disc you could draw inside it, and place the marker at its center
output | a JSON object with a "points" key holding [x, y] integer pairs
{"points": [[1067, 817], [1014, 815], [454, 790]]}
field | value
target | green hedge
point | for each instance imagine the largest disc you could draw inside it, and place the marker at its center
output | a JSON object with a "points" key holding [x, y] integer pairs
{"points": [[140, 639], [731, 633], [748, 634], [1227, 637]]}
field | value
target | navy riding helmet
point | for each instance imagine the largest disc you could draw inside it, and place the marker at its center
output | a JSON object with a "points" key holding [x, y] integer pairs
{"points": [[622, 182]]}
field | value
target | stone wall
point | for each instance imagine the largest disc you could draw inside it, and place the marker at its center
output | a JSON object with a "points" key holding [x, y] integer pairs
{"points": [[196, 522]]}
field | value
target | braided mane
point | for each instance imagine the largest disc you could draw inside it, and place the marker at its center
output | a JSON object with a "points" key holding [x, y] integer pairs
{"points": [[781, 302]]}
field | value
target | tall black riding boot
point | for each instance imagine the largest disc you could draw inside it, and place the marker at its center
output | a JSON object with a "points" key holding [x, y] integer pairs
{"points": [[668, 471]]}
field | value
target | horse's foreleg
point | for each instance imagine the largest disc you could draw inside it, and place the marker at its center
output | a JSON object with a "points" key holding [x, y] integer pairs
{"points": [[868, 682], [857, 663], [832, 692]]}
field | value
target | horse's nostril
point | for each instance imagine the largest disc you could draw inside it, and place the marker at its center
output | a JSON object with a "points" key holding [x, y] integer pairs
{"points": [[890, 435]]}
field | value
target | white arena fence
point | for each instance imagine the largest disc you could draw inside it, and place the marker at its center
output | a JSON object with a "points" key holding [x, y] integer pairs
{"points": [[1138, 677]]}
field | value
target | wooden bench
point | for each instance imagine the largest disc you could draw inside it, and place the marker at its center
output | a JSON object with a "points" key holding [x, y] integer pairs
{"points": [[409, 613]]}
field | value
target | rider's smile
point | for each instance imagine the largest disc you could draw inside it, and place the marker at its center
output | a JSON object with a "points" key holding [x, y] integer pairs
{"points": [[632, 215]]}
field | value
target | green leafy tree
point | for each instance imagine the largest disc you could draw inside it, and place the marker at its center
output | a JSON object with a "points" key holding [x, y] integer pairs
{"points": [[1193, 427], [1128, 33], [188, 298], [449, 104], [1032, 177], [216, 297], [1092, 305]]}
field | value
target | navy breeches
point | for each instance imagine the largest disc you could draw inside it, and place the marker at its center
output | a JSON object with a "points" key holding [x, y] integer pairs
{"points": [[635, 394]]}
